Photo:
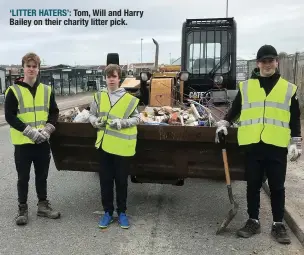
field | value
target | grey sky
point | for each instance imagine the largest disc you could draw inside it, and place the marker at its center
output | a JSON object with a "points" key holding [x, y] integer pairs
{"points": [[259, 22]]}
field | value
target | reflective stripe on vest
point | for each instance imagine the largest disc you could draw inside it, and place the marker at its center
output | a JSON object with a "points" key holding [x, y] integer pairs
{"points": [[31, 111], [265, 118], [129, 110], [119, 142]]}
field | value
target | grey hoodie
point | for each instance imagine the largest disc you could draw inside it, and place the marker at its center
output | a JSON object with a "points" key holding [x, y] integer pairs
{"points": [[114, 96]]}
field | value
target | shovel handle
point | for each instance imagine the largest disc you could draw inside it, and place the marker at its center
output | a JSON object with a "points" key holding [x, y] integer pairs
{"points": [[227, 174], [222, 139]]}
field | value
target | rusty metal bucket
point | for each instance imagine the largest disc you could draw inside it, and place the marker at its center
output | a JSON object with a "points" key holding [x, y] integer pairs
{"points": [[164, 153]]}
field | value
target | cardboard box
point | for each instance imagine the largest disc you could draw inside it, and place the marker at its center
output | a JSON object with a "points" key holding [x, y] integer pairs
{"points": [[161, 92], [130, 82]]}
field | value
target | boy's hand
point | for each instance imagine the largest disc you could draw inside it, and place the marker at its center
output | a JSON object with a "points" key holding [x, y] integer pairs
{"points": [[119, 124]]}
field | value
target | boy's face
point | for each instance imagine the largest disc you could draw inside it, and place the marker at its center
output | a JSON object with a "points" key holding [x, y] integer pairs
{"points": [[31, 69], [113, 81], [268, 66]]}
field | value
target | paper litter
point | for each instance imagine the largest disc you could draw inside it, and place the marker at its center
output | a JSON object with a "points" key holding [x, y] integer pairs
{"points": [[166, 115]]}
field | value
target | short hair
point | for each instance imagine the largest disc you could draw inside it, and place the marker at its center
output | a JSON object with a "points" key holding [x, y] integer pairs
{"points": [[111, 68], [31, 56]]}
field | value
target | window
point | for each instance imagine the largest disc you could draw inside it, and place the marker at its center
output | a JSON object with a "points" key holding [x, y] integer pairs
{"points": [[205, 50]]}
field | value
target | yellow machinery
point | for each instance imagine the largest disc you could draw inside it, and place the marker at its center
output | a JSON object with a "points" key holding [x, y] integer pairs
{"points": [[163, 85]]}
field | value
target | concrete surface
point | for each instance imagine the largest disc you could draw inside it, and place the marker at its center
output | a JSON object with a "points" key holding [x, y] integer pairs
{"points": [[292, 217], [63, 103], [165, 219]]}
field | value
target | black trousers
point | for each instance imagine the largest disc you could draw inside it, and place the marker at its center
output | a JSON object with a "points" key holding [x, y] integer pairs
{"points": [[265, 159], [39, 155], [113, 168]]}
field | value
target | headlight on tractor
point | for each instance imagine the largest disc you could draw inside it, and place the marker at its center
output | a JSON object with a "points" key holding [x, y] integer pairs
{"points": [[184, 76], [218, 79], [144, 76]]}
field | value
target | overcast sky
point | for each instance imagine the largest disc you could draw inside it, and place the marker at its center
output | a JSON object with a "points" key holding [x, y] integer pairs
{"points": [[259, 22]]}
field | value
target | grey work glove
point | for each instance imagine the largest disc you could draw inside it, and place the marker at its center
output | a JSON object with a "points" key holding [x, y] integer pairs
{"points": [[98, 123], [34, 135], [295, 148], [119, 124], [221, 126], [48, 130]]}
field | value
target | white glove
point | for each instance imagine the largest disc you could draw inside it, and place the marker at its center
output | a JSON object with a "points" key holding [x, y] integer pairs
{"points": [[221, 126], [119, 124], [98, 123], [295, 148], [34, 135], [47, 130]]}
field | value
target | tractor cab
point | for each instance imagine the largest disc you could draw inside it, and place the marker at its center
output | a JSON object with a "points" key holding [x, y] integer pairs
{"points": [[208, 54]]}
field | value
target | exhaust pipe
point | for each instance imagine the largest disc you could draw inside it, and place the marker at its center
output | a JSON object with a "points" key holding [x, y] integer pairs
{"points": [[156, 55]]}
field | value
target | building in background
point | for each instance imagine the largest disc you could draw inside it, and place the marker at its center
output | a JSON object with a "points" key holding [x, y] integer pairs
{"points": [[241, 70], [2, 84], [136, 68], [2, 80]]}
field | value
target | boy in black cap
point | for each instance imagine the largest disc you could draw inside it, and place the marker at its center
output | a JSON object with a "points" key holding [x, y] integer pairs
{"points": [[268, 109]]}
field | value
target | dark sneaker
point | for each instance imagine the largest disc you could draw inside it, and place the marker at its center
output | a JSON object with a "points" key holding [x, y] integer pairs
{"points": [[105, 221], [279, 232], [22, 217], [44, 210], [251, 228]]}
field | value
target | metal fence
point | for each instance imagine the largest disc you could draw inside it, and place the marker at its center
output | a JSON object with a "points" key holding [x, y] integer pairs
{"points": [[71, 81], [64, 81], [65, 85]]}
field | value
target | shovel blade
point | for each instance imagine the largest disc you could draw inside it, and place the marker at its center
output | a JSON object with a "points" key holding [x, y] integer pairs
{"points": [[228, 219]]}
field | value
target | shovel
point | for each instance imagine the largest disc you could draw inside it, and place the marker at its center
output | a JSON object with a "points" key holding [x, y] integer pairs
{"points": [[233, 211]]}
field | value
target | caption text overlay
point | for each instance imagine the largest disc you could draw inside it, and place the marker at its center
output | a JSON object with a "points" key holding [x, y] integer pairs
{"points": [[74, 17]]}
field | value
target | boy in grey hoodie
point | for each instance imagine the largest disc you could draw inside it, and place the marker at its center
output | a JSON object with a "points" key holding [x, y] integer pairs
{"points": [[113, 167]]}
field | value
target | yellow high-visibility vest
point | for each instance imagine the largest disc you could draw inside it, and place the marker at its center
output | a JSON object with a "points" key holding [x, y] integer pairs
{"points": [[119, 142], [31, 111], [265, 118]]}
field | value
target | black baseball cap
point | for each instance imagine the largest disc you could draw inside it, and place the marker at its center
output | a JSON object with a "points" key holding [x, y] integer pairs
{"points": [[266, 51]]}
